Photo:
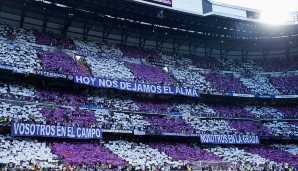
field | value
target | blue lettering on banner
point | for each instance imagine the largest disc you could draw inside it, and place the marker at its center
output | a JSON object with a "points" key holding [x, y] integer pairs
{"points": [[230, 94], [286, 96], [6, 67], [179, 134], [177, 114], [39, 130], [229, 139], [239, 95], [263, 96], [136, 87], [50, 74], [91, 107], [138, 132], [118, 131]]}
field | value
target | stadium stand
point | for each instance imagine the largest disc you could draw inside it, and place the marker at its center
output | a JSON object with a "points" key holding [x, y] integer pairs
{"points": [[53, 39], [115, 102], [59, 62], [62, 116], [13, 33], [282, 128], [154, 107], [240, 158], [277, 65], [21, 57], [192, 79], [259, 85], [21, 113], [87, 48], [291, 148], [184, 152], [135, 52], [120, 121], [286, 84], [89, 153], [140, 155], [26, 153], [169, 125], [273, 154], [109, 68], [202, 62], [265, 112], [199, 109], [249, 127], [231, 112], [17, 91], [150, 74], [225, 83], [61, 97], [210, 126]]}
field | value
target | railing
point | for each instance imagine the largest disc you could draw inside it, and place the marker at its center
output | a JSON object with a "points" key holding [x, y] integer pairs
{"points": [[203, 116]]}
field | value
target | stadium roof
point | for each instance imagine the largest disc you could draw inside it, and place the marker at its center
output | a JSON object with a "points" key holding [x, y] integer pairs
{"points": [[275, 12], [177, 28], [259, 4]]}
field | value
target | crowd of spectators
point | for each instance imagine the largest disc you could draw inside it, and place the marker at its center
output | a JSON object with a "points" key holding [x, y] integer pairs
{"points": [[160, 107], [288, 111], [196, 109], [101, 58], [184, 152], [120, 121], [265, 112], [109, 68], [16, 91], [291, 148], [259, 85], [240, 159], [114, 102], [23, 153], [26, 153], [142, 155], [151, 74], [88, 153], [209, 126], [249, 127], [52, 39], [21, 57], [191, 122], [224, 83], [60, 97], [119, 112], [135, 52], [192, 79], [227, 111], [96, 49], [206, 63], [16, 48], [12, 33], [282, 128], [69, 117], [278, 64], [20, 113], [286, 84], [88, 48], [274, 154], [60, 62], [107, 119]]}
